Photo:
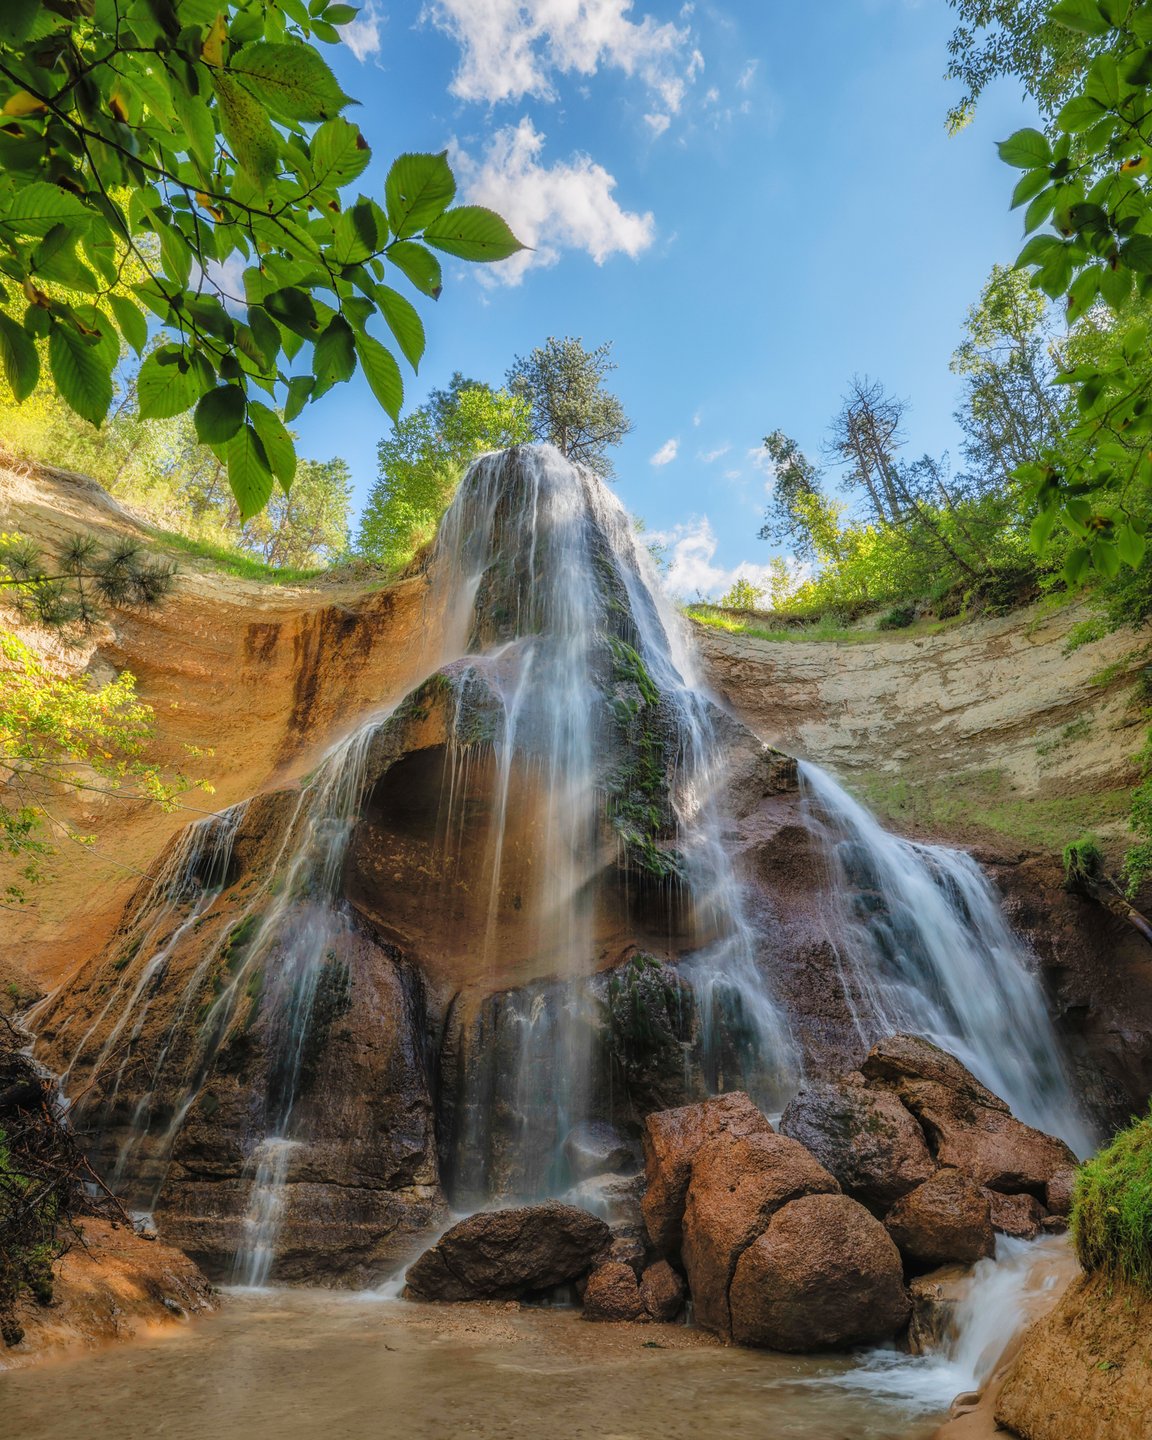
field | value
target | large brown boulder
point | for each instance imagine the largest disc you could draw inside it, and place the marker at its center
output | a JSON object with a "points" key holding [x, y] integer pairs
{"points": [[738, 1183], [1019, 1215], [504, 1254], [944, 1220], [613, 1293], [671, 1139], [824, 1275], [866, 1138], [967, 1127], [662, 1291]]}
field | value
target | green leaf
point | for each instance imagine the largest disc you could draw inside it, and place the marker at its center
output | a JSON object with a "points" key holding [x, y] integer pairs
{"points": [[1130, 546], [339, 154], [20, 357], [18, 21], [1116, 286], [1080, 113], [81, 372], [1041, 530], [418, 265], [248, 472], [1136, 253], [197, 126], [418, 189], [1025, 150], [341, 14], [132, 322], [292, 80], [1040, 209], [247, 130], [1028, 185], [294, 309], [1106, 558], [472, 232], [299, 392], [36, 208], [278, 446], [1076, 564], [354, 235], [219, 414], [334, 358], [166, 385], [382, 374], [404, 322], [1081, 15]]}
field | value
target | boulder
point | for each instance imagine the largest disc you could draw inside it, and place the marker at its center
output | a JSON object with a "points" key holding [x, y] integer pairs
{"points": [[824, 1275], [910, 1057], [671, 1139], [988, 1144], [1021, 1216], [1058, 1191], [935, 1299], [942, 1221], [615, 1197], [506, 1254], [628, 1248], [738, 1183], [662, 1291], [866, 1138], [597, 1148], [613, 1293]]}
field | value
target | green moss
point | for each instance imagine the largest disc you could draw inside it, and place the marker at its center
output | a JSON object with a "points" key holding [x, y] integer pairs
{"points": [[235, 562], [239, 938], [637, 791], [985, 799], [1112, 1208], [128, 954], [1083, 863], [1078, 729]]}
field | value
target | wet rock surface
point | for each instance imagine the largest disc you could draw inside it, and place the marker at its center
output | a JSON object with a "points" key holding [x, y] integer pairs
{"points": [[824, 1274], [613, 1293], [663, 1291], [946, 1219], [507, 1254]]}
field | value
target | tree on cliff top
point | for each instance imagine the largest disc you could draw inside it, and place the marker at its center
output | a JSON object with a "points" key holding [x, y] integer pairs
{"points": [[188, 140], [571, 406]]}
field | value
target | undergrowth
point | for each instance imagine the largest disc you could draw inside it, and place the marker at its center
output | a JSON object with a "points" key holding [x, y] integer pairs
{"points": [[1112, 1208]]}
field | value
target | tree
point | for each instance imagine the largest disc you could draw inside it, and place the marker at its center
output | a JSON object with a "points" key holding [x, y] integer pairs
{"points": [[865, 437], [192, 139], [997, 38], [66, 593], [421, 463], [564, 385], [307, 527], [743, 594], [795, 485], [57, 734]]}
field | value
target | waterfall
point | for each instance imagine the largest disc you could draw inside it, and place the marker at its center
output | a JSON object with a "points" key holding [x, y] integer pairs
{"points": [[926, 949]]}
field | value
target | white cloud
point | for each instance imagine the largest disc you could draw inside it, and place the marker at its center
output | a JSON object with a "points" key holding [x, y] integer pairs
{"points": [[710, 456], [733, 474], [759, 458], [666, 453], [658, 123], [362, 35], [566, 206], [696, 418], [748, 74], [693, 569], [513, 48]]}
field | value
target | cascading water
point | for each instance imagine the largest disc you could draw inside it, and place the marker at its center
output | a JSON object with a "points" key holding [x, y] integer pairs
{"points": [[926, 949]]}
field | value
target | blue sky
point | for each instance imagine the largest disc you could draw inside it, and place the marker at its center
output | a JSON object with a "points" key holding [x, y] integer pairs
{"points": [[753, 201]]}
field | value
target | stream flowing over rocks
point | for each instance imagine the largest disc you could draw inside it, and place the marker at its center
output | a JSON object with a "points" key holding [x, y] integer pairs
{"points": [[551, 983]]}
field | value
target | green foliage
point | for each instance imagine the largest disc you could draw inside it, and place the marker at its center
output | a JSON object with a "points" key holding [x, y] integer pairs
{"points": [[59, 735], [638, 803], [66, 593], [150, 150], [570, 405], [1089, 214], [1112, 1208], [898, 618], [1083, 864], [743, 595], [422, 461]]}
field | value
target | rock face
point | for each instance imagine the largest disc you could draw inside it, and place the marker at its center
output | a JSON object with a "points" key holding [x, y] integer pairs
{"points": [[506, 1254], [738, 1183], [935, 1298], [866, 1138], [944, 1220], [1085, 1370], [825, 1274], [671, 1140], [613, 1293], [1019, 1215]]}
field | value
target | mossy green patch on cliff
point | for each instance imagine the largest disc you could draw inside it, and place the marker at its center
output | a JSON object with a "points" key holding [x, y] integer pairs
{"points": [[1112, 1208], [985, 800], [638, 801]]}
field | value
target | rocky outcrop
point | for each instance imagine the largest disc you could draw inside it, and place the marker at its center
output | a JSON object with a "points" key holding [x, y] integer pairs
{"points": [[866, 1138], [823, 1275], [115, 1285], [946, 1219], [671, 1140], [508, 1254], [1085, 1370], [1021, 1216], [738, 1183]]}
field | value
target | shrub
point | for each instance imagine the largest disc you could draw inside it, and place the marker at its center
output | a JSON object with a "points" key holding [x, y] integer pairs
{"points": [[1083, 864], [898, 618], [1112, 1208]]}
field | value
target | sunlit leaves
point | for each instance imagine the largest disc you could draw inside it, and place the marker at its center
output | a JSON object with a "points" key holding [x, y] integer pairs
{"points": [[472, 232], [418, 189]]}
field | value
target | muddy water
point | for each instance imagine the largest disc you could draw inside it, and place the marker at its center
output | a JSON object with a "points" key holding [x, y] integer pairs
{"points": [[308, 1365]]}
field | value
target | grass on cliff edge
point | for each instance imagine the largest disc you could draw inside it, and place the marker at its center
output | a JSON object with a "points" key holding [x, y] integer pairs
{"points": [[1112, 1208], [236, 562]]}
